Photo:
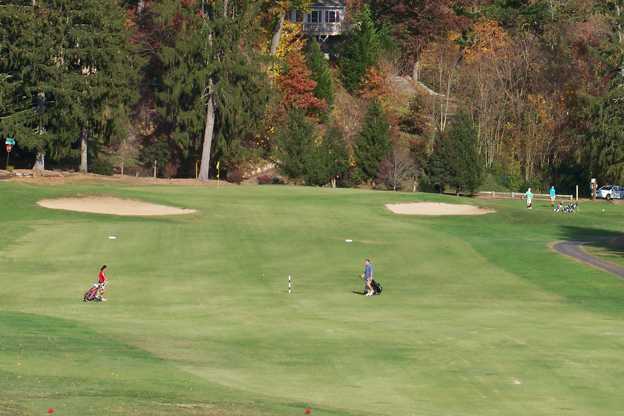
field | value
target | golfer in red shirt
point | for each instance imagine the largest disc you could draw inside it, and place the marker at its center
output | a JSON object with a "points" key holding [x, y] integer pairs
{"points": [[102, 282]]}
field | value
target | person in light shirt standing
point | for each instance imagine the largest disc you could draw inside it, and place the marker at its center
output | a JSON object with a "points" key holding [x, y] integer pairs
{"points": [[368, 277], [553, 196], [529, 198]]}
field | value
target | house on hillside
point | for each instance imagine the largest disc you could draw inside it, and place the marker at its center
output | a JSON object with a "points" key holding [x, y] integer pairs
{"points": [[324, 19]]}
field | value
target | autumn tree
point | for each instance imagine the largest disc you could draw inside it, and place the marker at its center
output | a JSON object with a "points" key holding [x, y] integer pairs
{"points": [[414, 24], [397, 169], [274, 12], [441, 68], [297, 87]]}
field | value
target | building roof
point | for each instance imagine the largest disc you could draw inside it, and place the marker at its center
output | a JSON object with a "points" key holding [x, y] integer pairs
{"points": [[328, 3]]}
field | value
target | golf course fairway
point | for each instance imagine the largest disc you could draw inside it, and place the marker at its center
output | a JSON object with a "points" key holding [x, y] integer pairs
{"points": [[479, 317]]}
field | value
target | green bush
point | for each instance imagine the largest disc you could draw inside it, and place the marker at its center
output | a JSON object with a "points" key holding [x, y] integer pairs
{"points": [[102, 167]]}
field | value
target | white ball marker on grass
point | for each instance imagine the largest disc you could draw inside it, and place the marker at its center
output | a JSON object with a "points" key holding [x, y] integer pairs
{"points": [[348, 241], [112, 237]]}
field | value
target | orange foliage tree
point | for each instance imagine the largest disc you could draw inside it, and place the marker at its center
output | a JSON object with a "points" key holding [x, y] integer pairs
{"points": [[297, 86]]}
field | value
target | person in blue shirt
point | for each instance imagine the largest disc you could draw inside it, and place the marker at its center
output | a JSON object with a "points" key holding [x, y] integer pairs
{"points": [[368, 277], [553, 195]]}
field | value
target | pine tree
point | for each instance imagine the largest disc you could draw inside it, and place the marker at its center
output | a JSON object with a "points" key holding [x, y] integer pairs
{"points": [[295, 143], [321, 73], [455, 160], [437, 170], [373, 143], [360, 50], [212, 92], [463, 157], [76, 71], [328, 160], [336, 156], [25, 71]]}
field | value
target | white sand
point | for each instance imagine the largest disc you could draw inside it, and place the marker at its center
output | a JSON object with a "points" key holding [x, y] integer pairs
{"points": [[112, 206], [436, 209]]}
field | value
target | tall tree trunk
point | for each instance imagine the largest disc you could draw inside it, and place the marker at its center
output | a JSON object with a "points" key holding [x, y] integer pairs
{"points": [[416, 71], [277, 34], [208, 133], [83, 151], [39, 161]]}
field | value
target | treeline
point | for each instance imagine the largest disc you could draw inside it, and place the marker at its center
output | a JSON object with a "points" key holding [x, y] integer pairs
{"points": [[435, 94]]}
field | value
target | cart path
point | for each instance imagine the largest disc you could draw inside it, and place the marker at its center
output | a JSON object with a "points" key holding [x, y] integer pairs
{"points": [[575, 250]]}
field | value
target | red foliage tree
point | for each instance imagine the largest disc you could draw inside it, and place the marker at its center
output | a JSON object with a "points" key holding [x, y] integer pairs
{"points": [[297, 86]]}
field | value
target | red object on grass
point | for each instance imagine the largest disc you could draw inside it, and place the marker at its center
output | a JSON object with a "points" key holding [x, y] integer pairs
{"points": [[50, 410], [307, 411]]}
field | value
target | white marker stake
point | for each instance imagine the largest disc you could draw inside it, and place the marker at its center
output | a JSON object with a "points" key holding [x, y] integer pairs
{"points": [[289, 285]]}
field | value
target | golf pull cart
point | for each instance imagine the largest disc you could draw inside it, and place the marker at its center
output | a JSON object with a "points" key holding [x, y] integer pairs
{"points": [[94, 293]]}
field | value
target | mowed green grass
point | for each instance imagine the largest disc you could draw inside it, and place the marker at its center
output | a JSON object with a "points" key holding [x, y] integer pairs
{"points": [[478, 317]]}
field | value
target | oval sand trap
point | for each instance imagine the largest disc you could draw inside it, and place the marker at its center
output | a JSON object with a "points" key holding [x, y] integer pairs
{"points": [[112, 206], [436, 209]]}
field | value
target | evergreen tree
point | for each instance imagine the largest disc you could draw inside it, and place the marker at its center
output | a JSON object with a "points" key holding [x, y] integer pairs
{"points": [[463, 157], [75, 72], [26, 75], [373, 143], [328, 160], [295, 143], [360, 50], [336, 156], [321, 73], [211, 91], [455, 160], [600, 118], [437, 170]]}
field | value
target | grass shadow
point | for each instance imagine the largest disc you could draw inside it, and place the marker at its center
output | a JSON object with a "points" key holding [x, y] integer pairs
{"points": [[610, 240]]}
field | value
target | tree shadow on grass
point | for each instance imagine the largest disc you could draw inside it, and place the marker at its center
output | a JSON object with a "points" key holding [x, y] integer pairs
{"points": [[608, 248], [610, 240]]}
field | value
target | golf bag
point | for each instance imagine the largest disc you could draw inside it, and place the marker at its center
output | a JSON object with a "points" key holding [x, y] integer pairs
{"points": [[376, 287], [566, 209], [93, 294], [570, 208]]}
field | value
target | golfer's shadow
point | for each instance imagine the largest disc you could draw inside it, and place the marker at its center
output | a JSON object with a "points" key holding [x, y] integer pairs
{"points": [[358, 292]]}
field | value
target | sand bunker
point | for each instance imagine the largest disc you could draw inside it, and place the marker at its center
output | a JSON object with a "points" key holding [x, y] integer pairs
{"points": [[436, 209], [113, 206]]}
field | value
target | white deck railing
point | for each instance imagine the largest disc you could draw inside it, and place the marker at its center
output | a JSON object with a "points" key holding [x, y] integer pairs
{"points": [[323, 28]]}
